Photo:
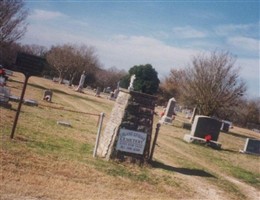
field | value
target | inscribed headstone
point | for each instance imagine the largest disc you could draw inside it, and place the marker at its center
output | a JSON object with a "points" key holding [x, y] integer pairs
{"points": [[225, 127], [252, 146], [204, 125]]}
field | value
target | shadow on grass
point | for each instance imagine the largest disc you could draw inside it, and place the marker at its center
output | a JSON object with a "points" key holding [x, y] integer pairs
{"points": [[230, 150], [186, 171]]}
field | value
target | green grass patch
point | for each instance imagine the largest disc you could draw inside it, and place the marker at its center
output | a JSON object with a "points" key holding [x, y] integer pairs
{"points": [[245, 175]]}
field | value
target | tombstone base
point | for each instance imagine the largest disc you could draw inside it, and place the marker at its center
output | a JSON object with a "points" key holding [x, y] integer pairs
{"points": [[5, 105], [166, 120], [186, 126], [14, 98], [247, 152], [30, 102], [191, 139]]}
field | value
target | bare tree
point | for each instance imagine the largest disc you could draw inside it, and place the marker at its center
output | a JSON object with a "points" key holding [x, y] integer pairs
{"points": [[109, 77], [71, 60], [212, 83], [12, 21], [34, 49], [170, 86]]}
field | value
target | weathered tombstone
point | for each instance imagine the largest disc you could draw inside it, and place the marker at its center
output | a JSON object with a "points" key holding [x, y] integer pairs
{"points": [[4, 97], [30, 102], [97, 92], [116, 93], [169, 112], [129, 130], [47, 95], [111, 95], [252, 146], [204, 129], [4, 94], [225, 126], [81, 82], [14, 98]]}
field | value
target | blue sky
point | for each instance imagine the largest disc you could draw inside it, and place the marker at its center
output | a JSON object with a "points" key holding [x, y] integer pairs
{"points": [[166, 34]]}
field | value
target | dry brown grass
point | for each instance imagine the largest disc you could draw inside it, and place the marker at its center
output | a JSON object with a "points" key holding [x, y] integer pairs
{"points": [[48, 161]]}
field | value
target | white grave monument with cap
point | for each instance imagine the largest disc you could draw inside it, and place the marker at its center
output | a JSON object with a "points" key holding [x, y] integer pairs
{"points": [[169, 112]]}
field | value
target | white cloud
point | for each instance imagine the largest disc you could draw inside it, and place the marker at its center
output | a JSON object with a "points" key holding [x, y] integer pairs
{"points": [[249, 30], [244, 43], [45, 15], [250, 72], [250, 68], [120, 51], [124, 51], [188, 32]]}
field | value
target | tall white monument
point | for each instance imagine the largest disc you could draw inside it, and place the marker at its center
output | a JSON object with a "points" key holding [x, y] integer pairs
{"points": [[169, 112], [131, 87]]}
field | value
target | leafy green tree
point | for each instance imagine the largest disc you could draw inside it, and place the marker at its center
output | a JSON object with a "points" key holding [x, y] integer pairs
{"points": [[146, 81]]}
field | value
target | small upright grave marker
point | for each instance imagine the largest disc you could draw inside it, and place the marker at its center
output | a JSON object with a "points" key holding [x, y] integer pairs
{"points": [[169, 112], [97, 92], [225, 126], [47, 95]]}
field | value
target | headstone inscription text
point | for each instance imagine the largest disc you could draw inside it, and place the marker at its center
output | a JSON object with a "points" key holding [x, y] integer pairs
{"points": [[252, 146], [204, 125], [131, 141]]}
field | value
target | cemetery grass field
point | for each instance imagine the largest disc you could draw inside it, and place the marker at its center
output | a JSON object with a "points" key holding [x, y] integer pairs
{"points": [[48, 161]]}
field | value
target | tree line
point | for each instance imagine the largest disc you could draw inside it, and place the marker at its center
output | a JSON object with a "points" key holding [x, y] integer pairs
{"points": [[211, 83]]}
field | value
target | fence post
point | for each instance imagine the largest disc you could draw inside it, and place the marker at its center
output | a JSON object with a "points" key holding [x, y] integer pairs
{"points": [[98, 133], [154, 140]]}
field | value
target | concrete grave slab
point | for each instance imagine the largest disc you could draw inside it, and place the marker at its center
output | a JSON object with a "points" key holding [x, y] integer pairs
{"points": [[64, 123]]}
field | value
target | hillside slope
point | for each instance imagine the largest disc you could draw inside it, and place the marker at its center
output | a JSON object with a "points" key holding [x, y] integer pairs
{"points": [[49, 161]]}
